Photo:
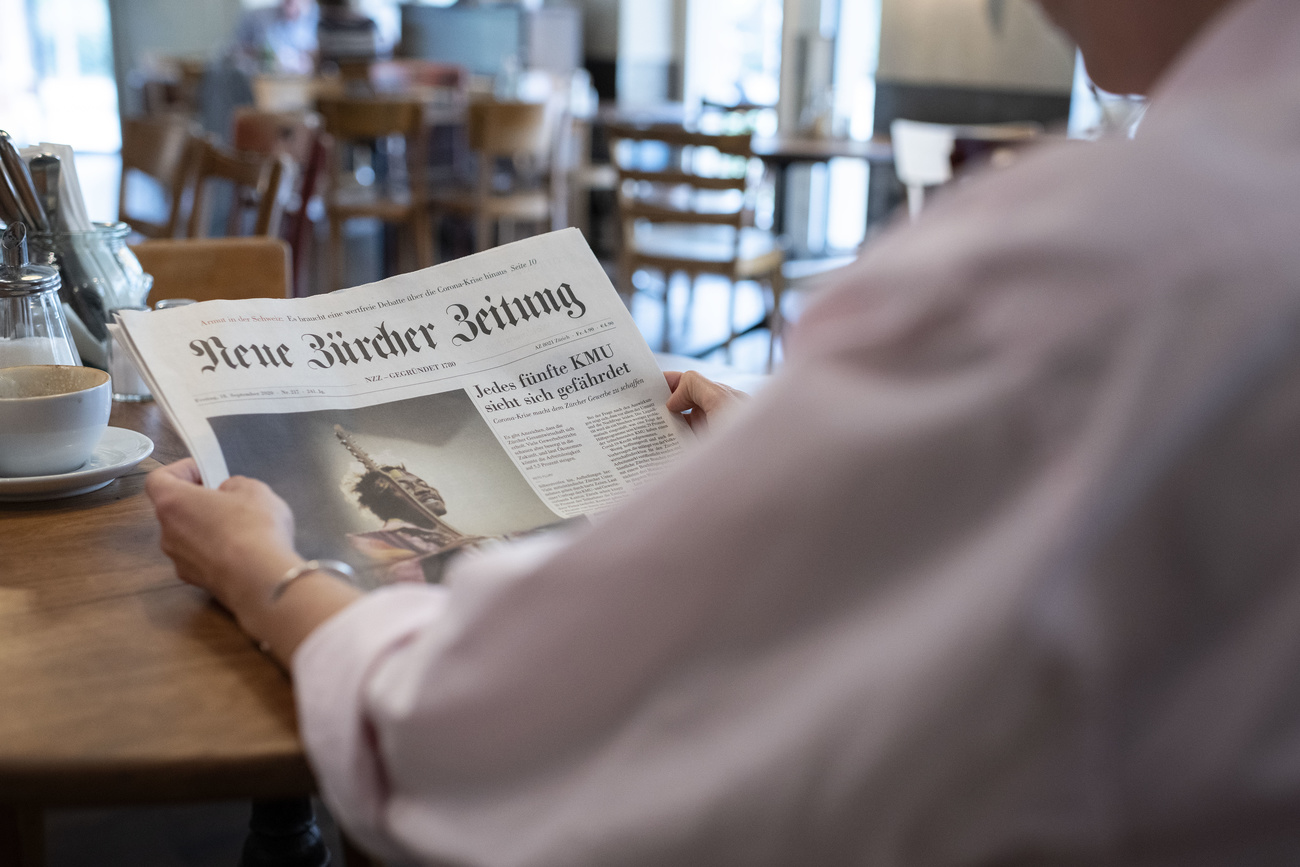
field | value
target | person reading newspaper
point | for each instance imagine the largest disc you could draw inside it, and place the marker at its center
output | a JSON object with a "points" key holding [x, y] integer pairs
{"points": [[1000, 568]]}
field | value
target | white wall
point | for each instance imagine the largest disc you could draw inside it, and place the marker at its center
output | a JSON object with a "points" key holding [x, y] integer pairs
{"points": [[145, 28], [651, 46], [166, 27], [1000, 44]]}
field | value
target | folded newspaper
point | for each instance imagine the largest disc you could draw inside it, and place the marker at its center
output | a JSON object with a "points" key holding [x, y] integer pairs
{"points": [[408, 419]]}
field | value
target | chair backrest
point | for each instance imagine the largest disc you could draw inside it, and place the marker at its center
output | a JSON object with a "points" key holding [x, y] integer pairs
{"points": [[257, 182], [208, 268], [667, 174], [361, 121], [281, 92], [275, 132], [922, 152], [510, 129], [926, 154], [363, 118], [157, 147]]}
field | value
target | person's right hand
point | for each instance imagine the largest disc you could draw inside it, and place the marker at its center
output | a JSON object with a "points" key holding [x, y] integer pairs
{"points": [[234, 541], [237, 542], [701, 399]]}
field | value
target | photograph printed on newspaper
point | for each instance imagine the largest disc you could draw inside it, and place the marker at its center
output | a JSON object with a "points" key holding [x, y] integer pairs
{"points": [[410, 419]]}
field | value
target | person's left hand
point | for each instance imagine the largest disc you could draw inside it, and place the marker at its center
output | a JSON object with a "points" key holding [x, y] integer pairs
{"points": [[700, 400]]}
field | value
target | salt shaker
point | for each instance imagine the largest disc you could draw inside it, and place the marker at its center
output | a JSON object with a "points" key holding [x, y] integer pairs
{"points": [[33, 329], [128, 385]]}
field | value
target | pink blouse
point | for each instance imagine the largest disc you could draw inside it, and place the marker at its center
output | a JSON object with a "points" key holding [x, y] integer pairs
{"points": [[1003, 566]]}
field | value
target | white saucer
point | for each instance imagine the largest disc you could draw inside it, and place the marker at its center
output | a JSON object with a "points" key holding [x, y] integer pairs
{"points": [[118, 451]]}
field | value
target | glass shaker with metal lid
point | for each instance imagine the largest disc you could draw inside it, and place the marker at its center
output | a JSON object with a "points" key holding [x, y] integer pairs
{"points": [[33, 329]]}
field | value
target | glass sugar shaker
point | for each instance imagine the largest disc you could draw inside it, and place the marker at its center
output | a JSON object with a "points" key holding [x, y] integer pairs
{"points": [[33, 329]]}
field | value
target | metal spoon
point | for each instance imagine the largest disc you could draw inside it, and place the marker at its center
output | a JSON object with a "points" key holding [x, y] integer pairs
{"points": [[46, 169], [9, 210], [14, 166]]}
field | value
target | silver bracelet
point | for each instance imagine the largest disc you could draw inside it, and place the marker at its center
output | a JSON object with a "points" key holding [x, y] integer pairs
{"points": [[334, 567]]}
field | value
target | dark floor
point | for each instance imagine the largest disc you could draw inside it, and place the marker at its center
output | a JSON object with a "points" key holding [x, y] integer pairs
{"points": [[192, 835]]}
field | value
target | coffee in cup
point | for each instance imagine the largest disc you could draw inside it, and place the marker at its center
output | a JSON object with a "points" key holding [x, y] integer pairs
{"points": [[51, 417]]}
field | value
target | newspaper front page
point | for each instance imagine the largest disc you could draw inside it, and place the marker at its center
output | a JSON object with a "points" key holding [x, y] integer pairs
{"points": [[411, 418]]}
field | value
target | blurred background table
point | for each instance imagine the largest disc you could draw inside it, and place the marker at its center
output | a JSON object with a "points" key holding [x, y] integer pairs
{"points": [[782, 151]]}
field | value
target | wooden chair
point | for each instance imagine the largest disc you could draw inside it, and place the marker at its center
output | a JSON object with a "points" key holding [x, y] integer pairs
{"points": [[686, 205], [158, 148], [208, 268], [398, 194], [172, 86], [513, 145], [579, 177], [298, 135], [257, 182]]}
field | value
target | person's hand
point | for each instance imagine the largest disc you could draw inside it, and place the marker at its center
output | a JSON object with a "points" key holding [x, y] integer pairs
{"points": [[236, 542], [233, 541], [701, 399]]}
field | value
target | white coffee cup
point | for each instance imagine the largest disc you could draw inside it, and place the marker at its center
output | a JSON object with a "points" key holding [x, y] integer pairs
{"points": [[51, 417]]}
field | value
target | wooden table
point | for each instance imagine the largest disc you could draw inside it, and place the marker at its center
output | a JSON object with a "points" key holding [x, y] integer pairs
{"points": [[783, 151], [118, 683]]}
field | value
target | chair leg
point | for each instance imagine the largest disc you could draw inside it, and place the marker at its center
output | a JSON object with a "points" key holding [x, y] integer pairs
{"points": [[483, 225], [300, 252], [665, 339], [435, 234], [684, 327], [625, 286], [579, 211], [731, 318], [22, 836], [776, 321], [336, 253], [422, 228], [284, 833]]}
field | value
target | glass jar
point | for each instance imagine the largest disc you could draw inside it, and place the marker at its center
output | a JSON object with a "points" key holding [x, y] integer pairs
{"points": [[100, 274]]}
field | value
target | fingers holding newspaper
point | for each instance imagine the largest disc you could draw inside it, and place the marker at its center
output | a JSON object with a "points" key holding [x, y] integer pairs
{"points": [[236, 542], [701, 401]]}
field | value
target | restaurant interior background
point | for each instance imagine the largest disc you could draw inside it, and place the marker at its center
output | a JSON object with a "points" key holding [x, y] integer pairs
{"points": [[69, 68], [846, 67]]}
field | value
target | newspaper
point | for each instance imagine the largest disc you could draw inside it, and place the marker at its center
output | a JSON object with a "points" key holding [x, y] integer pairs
{"points": [[411, 418]]}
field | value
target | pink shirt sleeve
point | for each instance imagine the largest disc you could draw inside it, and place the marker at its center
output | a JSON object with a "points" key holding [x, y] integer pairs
{"points": [[336, 661], [337, 667]]}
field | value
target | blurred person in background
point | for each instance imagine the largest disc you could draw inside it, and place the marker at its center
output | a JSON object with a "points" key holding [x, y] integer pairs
{"points": [[1000, 568], [279, 39], [344, 34]]}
